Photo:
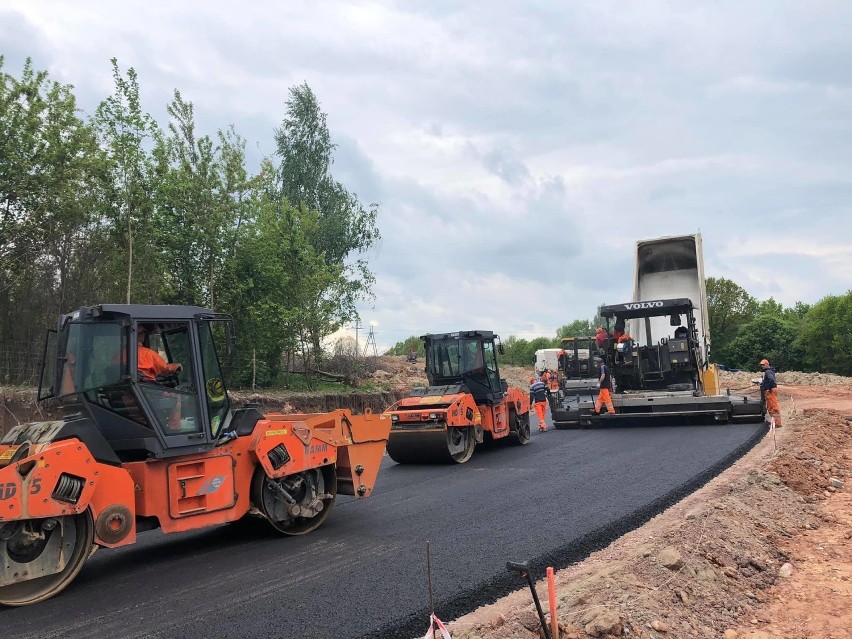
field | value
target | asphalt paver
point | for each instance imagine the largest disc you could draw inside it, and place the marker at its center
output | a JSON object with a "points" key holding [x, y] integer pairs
{"points": [[363, 573]]}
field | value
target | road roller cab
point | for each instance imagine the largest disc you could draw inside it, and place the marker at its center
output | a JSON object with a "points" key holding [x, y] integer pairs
{"points": [[465, 403], [149, 439]]}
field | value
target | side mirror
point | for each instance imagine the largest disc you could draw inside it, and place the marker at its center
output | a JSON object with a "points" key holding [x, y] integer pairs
{"points": [[674, 320]]}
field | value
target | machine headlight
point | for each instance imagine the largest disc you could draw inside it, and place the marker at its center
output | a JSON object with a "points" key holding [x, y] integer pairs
{"points": [[433, 415], [394, 418]]}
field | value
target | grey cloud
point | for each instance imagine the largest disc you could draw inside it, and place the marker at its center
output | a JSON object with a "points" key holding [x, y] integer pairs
{"points": [[355, 169], [507, 168], [730, 118]]}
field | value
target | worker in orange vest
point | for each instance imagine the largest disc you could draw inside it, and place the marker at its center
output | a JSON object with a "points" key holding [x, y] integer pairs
{"points": [[605, 384], [538, 398], [151, 366], [769, 387], [149, 362]]}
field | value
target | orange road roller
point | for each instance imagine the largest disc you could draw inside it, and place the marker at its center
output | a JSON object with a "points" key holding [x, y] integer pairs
{"points": [[465, 403], [149, 439]]}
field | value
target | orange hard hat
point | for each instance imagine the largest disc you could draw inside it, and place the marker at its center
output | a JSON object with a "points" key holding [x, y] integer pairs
{"points": [[764, 361]]}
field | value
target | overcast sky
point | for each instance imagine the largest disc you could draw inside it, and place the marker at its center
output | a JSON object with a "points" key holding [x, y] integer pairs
{"points": [[518, 149]]}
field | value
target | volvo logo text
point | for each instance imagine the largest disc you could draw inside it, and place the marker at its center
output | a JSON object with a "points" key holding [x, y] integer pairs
{"points": [[638, 305]]}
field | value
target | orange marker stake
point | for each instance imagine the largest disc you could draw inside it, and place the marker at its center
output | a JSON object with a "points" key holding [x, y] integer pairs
{"points": [[551, 600]]}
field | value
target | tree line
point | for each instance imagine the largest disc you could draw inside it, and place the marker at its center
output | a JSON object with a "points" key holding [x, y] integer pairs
{"points": [[743, 330], [805, 337], [116, 207]]}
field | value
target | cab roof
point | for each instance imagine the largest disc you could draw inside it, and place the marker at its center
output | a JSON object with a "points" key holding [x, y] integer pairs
{"points": [[145, 311], [483, 335]]}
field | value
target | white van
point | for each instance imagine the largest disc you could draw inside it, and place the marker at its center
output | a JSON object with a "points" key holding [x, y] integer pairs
{"points": [[546, 359]]}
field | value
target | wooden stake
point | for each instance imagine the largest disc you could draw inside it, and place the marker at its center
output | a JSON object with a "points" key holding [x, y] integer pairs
{"points": [[429, 580]]}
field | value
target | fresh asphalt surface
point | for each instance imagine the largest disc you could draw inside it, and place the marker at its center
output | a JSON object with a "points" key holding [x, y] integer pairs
{"points": [[363, 573]]}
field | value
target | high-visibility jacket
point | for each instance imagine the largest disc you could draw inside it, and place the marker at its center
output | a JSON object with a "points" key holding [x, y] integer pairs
{"points": [[151, 365]]}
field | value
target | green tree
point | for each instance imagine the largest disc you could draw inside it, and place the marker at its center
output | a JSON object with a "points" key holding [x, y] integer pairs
{"points": [[521, 352], [282, 290], [577, 328], [771, 336], [200, 189], [124, 130], [50, 230], [770, 307], [118, 208], [345, 229], [516, 351], [405, 346], [580, 328], [729, 306], [798, 311], [824, 338]]}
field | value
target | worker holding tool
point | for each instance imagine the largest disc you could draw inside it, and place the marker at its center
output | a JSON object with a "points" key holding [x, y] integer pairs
{"points": [[604, 384], [538, 398], [769, 388]]}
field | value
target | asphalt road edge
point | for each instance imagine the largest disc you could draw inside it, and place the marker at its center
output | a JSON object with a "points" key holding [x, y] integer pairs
{"points": [[414, 625]]}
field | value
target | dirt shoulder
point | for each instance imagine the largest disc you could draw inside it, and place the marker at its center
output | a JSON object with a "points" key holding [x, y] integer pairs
{"points": [[762, 551]]}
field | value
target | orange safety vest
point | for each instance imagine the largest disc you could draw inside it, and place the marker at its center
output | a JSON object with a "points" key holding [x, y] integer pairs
{"points": [[150, 364]]}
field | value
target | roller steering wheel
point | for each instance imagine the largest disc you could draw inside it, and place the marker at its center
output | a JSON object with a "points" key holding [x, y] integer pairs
{"points": [[171, 379]]}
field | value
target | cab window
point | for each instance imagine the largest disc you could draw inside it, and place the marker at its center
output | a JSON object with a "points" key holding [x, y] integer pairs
{"points": [[214, 385], [491, 365], [91, 356], [172, 399]]}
